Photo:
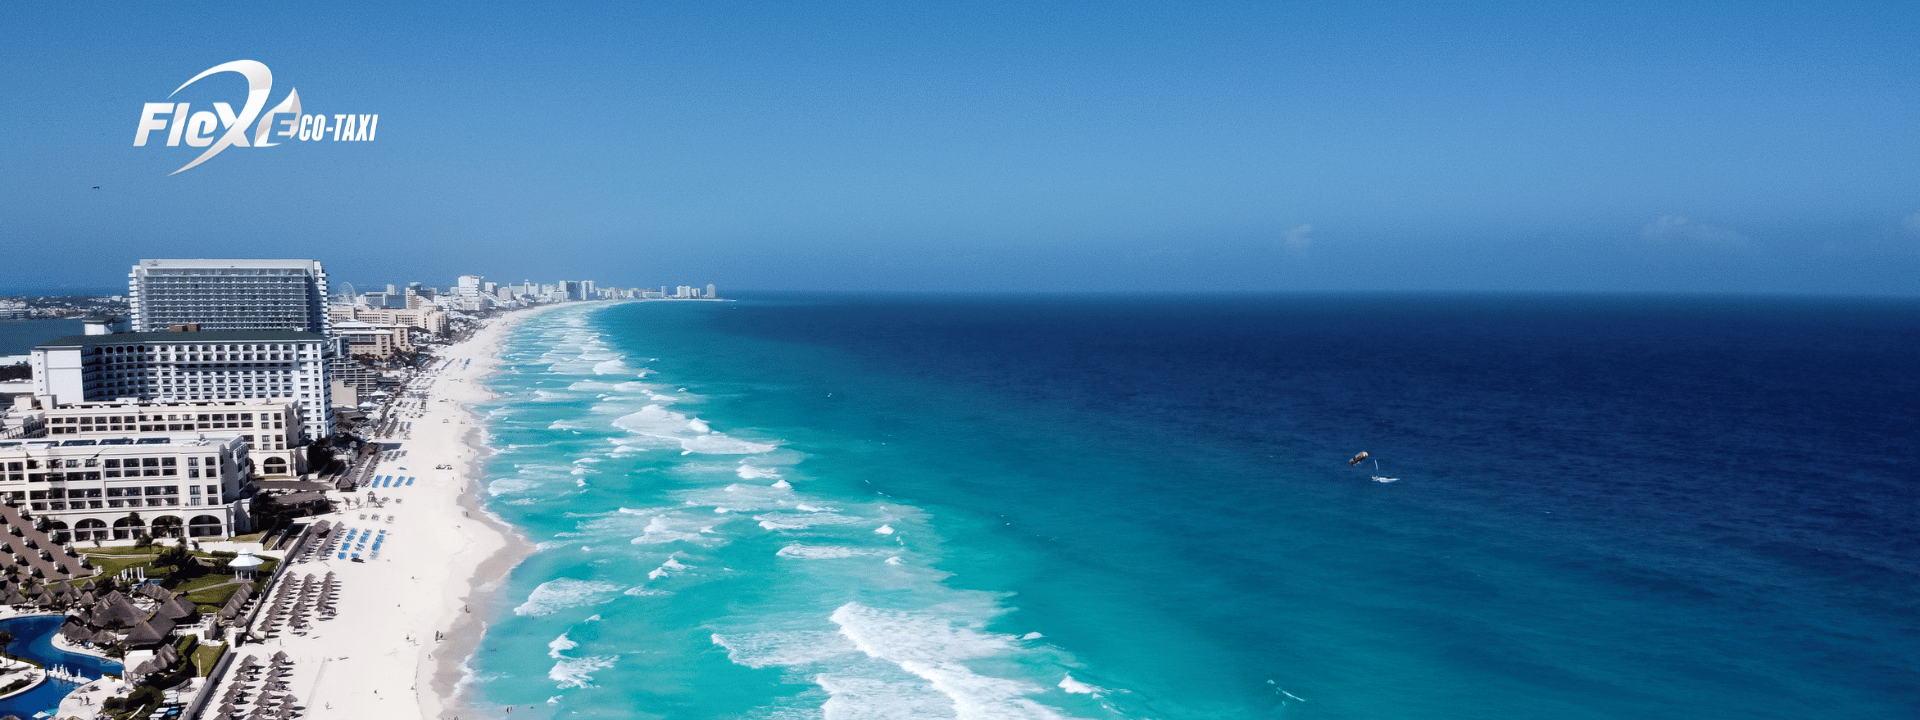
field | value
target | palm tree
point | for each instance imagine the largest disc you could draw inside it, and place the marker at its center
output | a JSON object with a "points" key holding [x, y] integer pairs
{"points": [[6, 640]]}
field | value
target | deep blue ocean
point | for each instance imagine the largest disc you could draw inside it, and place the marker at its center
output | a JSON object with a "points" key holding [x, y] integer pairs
{"points": [[976, 506]]}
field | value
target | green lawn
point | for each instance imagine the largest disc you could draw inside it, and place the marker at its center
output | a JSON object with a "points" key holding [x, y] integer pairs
{"points": [[209, 589], [204, 581], [111, 562], [205, 656]]}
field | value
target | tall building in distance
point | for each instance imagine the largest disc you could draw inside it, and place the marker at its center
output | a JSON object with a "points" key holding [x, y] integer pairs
{"points": [[229, 295]]}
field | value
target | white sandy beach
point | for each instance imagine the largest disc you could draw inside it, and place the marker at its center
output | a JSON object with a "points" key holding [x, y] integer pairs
{"points": [[379, 658]]}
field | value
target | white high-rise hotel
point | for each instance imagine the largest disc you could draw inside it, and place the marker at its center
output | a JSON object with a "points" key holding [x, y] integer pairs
{"points": [[229, 295], [252, 329]]}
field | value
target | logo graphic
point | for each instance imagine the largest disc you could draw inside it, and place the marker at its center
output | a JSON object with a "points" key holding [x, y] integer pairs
{"points": [[197, 128]]}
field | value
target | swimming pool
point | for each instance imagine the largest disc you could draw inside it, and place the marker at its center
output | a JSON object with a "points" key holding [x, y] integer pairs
{"points": [[33, 640]]}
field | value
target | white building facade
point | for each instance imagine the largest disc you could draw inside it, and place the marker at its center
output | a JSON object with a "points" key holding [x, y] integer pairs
{"points": [[189, 366], [270, 428], [177, 485]]}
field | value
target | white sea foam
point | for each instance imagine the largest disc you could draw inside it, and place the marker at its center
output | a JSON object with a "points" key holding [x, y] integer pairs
{"points": [[663, 529], [1032, 636], [821, 552], [560, 644], [578, 672], [883, 530], [761, 649], [612, 367], [510, 485], [643, 591], [658, 422], [934, 649], [754, 472], [809, 507], [556, 595], [801, 521], [671, 566], [1079, 688], [861, 698]]}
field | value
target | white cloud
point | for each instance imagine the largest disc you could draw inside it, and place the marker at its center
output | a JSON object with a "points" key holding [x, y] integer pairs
{"points": [[1912, 223], [1299, 237], [1674, 228]]}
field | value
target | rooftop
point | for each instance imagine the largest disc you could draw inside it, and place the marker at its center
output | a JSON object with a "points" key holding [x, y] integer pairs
{"points": [[180, 337], [230, 263], [194, 439]]}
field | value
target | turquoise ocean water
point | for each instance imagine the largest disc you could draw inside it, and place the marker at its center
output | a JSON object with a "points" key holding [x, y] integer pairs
{"points": [[891, 507]]}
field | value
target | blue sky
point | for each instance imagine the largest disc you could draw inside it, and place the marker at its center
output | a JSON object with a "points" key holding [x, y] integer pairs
{"points": [[1732, 147]]}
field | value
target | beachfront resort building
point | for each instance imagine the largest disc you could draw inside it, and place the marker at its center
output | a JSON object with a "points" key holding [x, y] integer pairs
{"points": [[426, 319], [367, 340], [173, 367], [229, 294], [117, 488], [270, 427]]}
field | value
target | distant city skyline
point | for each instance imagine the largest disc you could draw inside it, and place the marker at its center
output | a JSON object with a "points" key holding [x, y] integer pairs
{"points": [[1626, 147]]}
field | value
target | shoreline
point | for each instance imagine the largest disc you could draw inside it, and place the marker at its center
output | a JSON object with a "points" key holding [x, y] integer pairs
{"points": [[394, 633], [444, 672]]}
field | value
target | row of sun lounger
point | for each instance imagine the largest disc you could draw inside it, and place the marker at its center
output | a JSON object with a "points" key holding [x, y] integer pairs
{"points": [[355, 541], [390, 481]]}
